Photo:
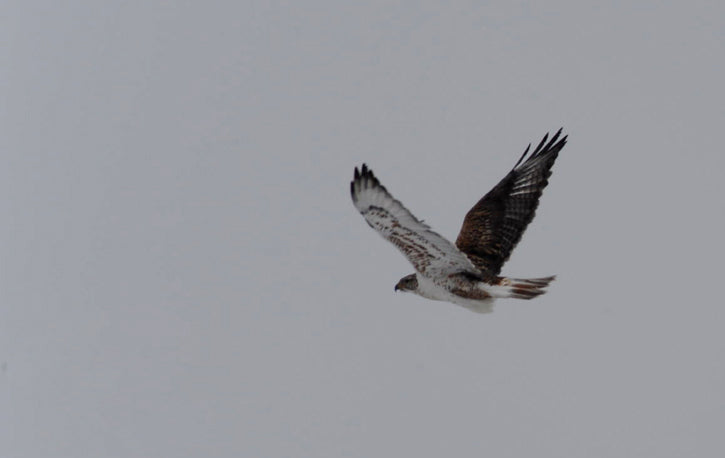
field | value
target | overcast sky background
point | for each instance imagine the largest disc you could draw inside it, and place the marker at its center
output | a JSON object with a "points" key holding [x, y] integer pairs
{"points": [[182, 272]]}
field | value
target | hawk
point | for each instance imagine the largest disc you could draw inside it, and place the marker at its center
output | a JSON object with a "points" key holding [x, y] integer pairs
{"points": [[467, 272]]}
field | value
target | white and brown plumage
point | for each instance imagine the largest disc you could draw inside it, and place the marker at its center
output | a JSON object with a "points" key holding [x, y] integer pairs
{"points": [[466, 273]]}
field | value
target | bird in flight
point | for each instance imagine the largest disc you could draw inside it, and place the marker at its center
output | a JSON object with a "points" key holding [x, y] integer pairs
{"points": [[467, 272]]}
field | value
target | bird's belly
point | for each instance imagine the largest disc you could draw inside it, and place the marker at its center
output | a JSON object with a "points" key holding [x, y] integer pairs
{"points": [[472, 298]]}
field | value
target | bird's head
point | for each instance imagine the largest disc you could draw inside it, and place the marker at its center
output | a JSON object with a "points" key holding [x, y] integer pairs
{"points": [[407, 283]]}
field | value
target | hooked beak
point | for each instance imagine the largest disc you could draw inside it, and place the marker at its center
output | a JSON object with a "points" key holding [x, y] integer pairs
{"points": [[396, 287]]}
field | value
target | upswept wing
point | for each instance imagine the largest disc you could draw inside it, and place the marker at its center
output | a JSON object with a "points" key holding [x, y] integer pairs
{"points": [[432, 255], [494, 226]]}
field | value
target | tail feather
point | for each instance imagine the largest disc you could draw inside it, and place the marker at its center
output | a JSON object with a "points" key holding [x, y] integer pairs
{"points": [[525, 288]]}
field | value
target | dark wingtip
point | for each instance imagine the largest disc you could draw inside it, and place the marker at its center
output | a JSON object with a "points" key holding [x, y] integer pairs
{"points": [[523, 156], [356, 178], [545, 146], [366, 175], [541, 145], [564, 138], [362, 178], [555, 138]]}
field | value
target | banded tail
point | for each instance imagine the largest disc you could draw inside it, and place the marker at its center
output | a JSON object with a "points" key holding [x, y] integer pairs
{"points": [[524, 288]]}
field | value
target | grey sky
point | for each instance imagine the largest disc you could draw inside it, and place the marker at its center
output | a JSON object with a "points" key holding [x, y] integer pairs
{"points": [[182, 272]]}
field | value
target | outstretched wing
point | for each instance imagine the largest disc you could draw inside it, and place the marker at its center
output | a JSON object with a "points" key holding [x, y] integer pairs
{"points": [[430, 254], [494, 226]]}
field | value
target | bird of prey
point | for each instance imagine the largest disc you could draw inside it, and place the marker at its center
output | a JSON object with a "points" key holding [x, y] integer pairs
{"points": [[467, 272]]}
